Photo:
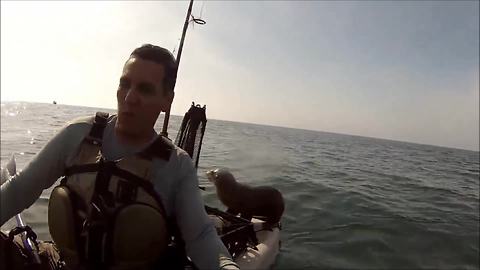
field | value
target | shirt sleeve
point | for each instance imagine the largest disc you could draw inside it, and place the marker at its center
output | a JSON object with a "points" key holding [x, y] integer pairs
{"points": [[22, 190], [202, 243]]}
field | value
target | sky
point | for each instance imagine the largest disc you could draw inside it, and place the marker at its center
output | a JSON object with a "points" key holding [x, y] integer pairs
{"points": [[399, 70]]}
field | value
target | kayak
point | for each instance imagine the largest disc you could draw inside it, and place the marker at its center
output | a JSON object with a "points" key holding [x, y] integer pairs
{"points": [[264, 254], [253, 243]]}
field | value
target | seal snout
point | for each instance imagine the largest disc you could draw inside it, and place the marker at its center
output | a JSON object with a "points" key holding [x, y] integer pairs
{"points": [[211, 175], [216, 174]]}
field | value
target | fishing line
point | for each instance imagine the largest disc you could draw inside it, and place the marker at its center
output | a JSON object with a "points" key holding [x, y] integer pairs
{"points": [[201, 10]]}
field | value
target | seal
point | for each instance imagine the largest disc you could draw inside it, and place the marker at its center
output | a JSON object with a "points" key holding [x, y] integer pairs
{"points": [[263, 201]]}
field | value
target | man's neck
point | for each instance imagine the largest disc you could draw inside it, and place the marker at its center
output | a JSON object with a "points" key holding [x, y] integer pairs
{"points": [[133, 139]]}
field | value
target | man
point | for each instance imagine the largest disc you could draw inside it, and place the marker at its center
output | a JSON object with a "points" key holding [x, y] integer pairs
{"points": [[145, 90]]}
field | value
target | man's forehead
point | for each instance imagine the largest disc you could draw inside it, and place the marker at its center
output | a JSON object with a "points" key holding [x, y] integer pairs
{"points": [[142, 68]]}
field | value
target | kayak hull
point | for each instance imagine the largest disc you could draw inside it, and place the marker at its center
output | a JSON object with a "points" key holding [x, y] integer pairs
{"points": [[267, 249]]}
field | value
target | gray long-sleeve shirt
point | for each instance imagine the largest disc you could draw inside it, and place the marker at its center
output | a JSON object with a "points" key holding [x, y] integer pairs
{"points": [[175, 180]]}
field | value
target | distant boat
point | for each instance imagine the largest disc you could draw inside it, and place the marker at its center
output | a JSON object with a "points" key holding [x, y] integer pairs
{"points": [[54, 102]]}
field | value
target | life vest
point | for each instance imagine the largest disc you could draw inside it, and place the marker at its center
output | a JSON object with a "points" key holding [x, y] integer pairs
{"points": [[106, 214]]}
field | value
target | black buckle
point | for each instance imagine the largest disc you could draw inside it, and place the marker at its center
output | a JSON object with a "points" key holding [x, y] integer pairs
{"points": [[99, 124], [21, 229]]}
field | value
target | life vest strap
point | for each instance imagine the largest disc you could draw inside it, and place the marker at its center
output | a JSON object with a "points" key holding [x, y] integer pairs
{"points": [[125, 191], [160, 148], [100, 221], [138, 181], [99, 124], [84, 168]]}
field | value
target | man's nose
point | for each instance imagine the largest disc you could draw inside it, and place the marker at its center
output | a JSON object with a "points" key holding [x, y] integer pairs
{"points": [[132, 97]]}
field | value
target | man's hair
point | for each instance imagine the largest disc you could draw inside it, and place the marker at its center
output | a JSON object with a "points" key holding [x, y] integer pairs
{"points": [[161, 56]]}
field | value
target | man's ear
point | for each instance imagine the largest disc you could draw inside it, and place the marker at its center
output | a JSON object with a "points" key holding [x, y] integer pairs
{"points": [[167, 101]]}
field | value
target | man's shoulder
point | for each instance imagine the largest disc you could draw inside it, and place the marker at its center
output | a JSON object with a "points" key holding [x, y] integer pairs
{"points": [[165, 144], [75, 129], [174, 154], [85, 121], [81, 121], [79, 127], [183, 158]]}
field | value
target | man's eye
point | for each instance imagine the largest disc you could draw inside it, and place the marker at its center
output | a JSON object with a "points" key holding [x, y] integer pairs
{"points": [[147, 89], [124, 84]]}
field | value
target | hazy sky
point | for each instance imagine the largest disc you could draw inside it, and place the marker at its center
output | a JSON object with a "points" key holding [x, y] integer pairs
{"points": [[399, 70]]}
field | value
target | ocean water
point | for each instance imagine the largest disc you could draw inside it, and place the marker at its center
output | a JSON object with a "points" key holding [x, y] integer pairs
{"points": [[351, 202]]}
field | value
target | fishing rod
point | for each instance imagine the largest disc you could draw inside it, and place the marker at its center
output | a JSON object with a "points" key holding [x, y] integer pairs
{"points": [[179, 55]]}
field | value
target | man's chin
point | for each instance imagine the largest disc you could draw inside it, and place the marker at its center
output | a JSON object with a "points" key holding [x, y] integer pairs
{"points": [[124, 129]]}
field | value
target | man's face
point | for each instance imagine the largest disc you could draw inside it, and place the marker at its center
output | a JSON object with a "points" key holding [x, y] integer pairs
{"points": [[141, 97]]}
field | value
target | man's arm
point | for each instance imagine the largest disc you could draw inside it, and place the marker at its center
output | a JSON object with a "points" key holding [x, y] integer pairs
{"points": [[21, 191], [202, 243]]}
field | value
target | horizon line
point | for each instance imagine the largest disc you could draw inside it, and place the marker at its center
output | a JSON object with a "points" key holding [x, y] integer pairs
{"points": [[271, 125]]}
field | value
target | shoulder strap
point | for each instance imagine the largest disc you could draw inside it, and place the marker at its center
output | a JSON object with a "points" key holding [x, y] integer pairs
{"points": [[99, 124], [94, 137], [160, 148]]}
